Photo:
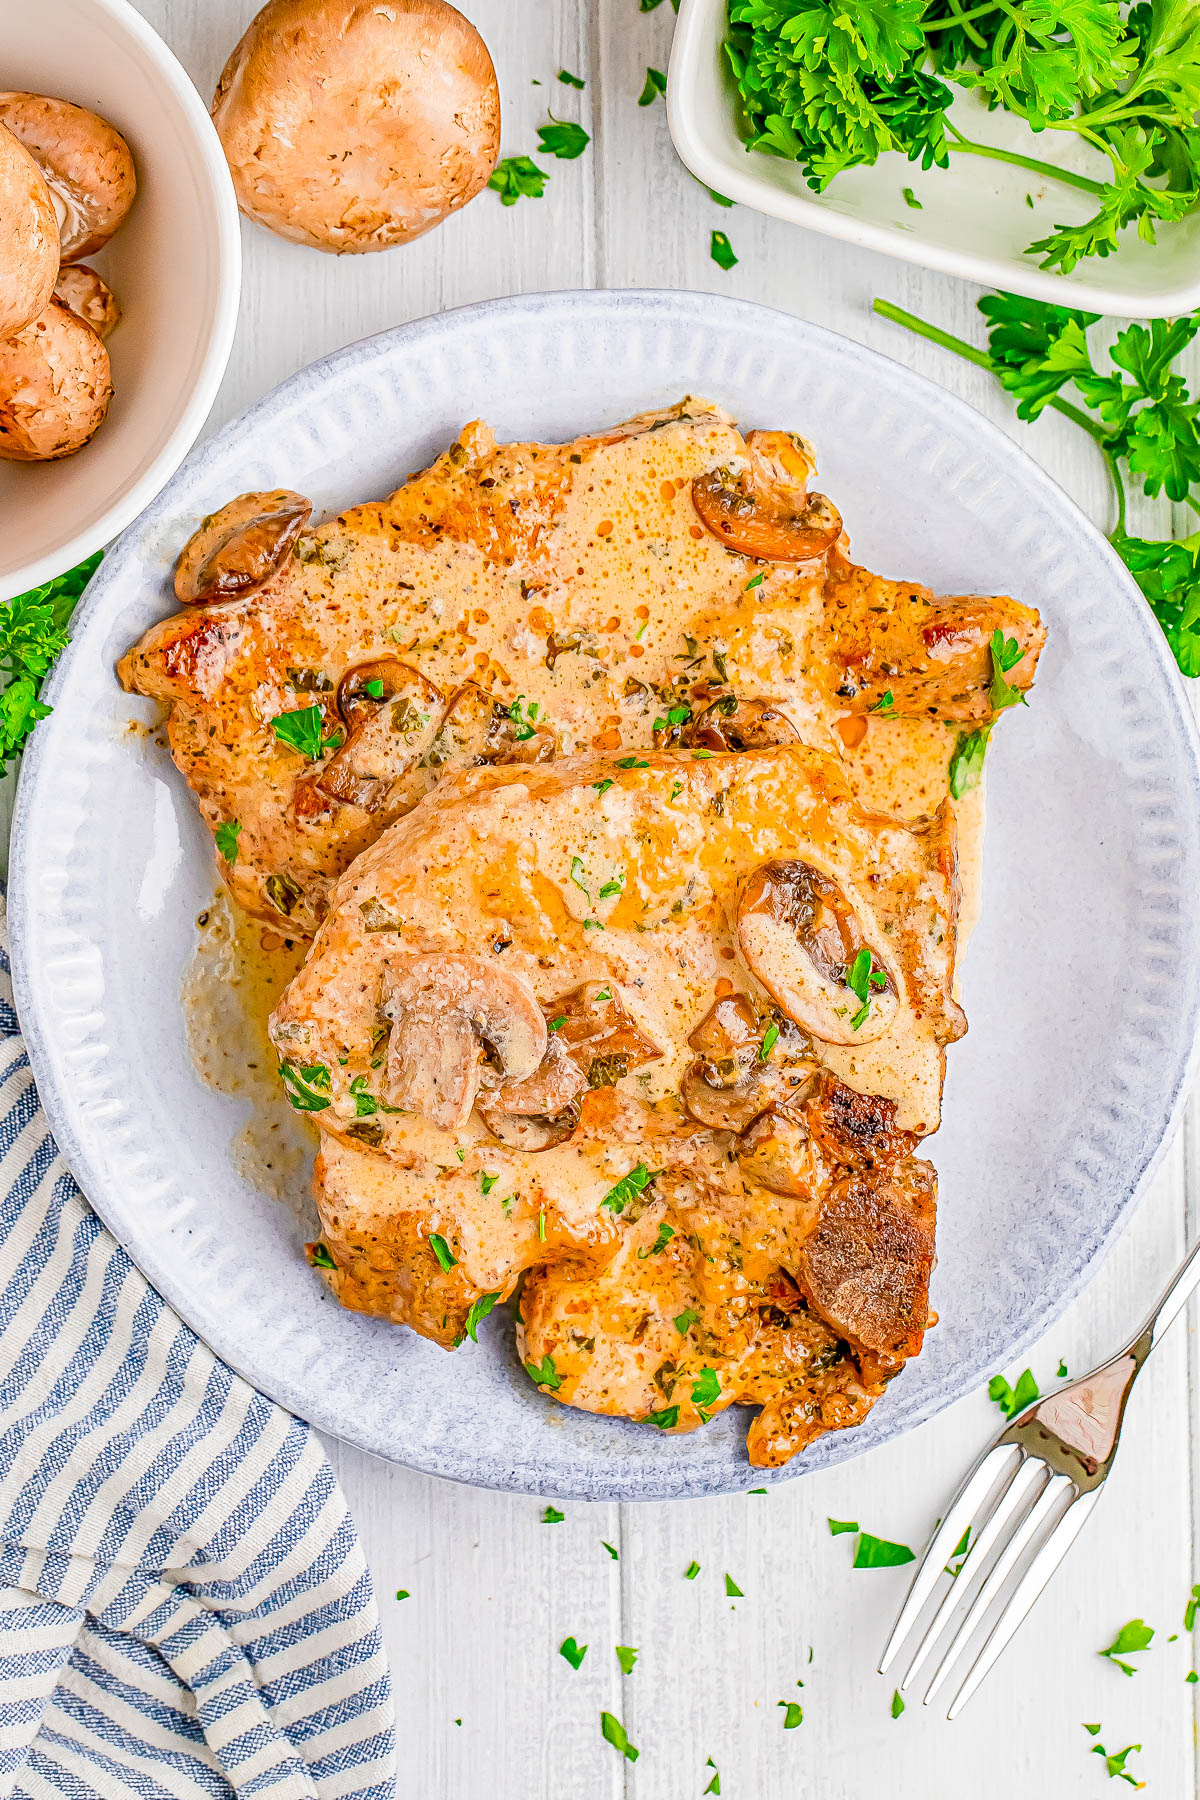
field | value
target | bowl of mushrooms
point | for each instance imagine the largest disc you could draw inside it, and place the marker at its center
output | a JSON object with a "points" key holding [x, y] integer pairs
{"points": [[120, 269]]}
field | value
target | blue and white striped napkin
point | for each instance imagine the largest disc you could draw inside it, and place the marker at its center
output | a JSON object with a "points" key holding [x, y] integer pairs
{"points": [[185, 1609]]}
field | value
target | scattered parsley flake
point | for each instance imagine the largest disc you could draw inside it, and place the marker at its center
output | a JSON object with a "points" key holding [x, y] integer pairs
{"points": [[793, 1714], [1006, 654], [629, 1186], [721, 251], [691, 1572], [614, 1733], [569, 80], [307, 1085], [666, 1418], [770, 1038], [626, 1656], [518, 178], [677, 790], [665, 1234], [374, 688], [319, 1257], [227, 834], [552, 1516], [910, 199], [685, 1320], [573, 1652], [562, 138], [577, 874], [885, 706], [838, 1526], [1134, 1636], [612, 1551], [860, 978], [1062, 1370], [304, 730], [656, 84], [1013, 1401], [632, 762], [487, 1182], [402, 1594], [755, 581], [478, 1312], [966, 761], [714, 1786], [602, 787], [706, 1390], [880, 1553], [897, 1703], [614, 887], [442, 1251], [544, 1374], [1114, 1763], [1189, 1611], [732, 1589]]}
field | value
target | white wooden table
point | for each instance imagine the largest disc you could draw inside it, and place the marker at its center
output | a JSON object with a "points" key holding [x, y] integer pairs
{"points": [[485, 1703]]}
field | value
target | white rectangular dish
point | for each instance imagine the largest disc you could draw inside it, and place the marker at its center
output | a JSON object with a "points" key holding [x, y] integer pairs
{"points": [[974, 219]]}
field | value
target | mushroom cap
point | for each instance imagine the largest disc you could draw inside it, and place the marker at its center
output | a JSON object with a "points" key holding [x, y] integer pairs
{"points": [[86, 163], [55, 387], [236, 550], [354, 127], [29, 251], [89, 297], [444, 1011]]}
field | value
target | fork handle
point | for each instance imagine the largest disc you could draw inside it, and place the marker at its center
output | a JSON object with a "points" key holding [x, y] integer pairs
{"points": [[1169, 1305]]}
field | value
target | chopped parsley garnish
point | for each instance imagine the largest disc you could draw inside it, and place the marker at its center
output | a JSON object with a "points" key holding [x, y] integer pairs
{"points": [[614, 1733], [685, 1320], [552, 1516], [702, 755], [910, 199], [602, 787], [793, 1714], [676, 715], [603, 993], [569, 80], [562, 138], [714, 1786], [1190, 1610], [1010, 1400], [677, 790], [626, 1656], [545, 1374], [573, 1652], [706, 1391], [577, 874], [860, 978], [593, 924], [966, 761], [721, 251], [612, 1550], [319, 1257], [487, 1182], [755, 581], [691, 1572], [1134, 1636], [442, 1251], [838, 1526], [880, 1553], [732, 1589], [1115, 1762], [1061, 1370], [954, 1566], [897, 1703], [33, 633], [632, 762], [665, 1234], [656, 84], [402, 1594], [227, 834], [523, 718], [477, 1313], [614, 887], [304, 730], [666, 1418], [1006, 654], [374, 688], [365, 1103], [885, 706], [307, 1085], [629, 1187], [556, 1024], [518, 178], [770, 1038]]}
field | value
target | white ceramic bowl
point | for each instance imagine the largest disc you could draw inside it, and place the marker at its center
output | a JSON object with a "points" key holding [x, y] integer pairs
{"points": [[1082, 983], [974, 219], [175, 266]]}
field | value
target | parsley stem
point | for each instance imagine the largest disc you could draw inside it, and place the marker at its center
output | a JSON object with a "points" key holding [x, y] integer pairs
{"points": [[1050, 170]]}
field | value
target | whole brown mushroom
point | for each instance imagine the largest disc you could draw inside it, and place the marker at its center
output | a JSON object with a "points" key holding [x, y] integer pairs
{"points": [[351, 126], [28, 237], [89, 297], [86, 164], [54, 387]]}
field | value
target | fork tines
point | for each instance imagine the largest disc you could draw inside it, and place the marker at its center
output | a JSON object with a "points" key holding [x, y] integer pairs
{"points": [[1019, 1518]]}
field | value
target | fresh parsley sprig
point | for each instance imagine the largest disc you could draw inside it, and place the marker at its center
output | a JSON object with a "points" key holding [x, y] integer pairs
{"points": [[1140, 414], [33, 634]]}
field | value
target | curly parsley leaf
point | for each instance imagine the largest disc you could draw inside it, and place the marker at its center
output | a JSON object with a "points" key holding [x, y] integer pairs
{"points": [[307, 1085], [33, 634], [304, 730], [1013, 1401], [226, 835]]}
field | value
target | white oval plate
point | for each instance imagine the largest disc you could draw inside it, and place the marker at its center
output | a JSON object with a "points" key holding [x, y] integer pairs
{"points": [[1082, 984]]}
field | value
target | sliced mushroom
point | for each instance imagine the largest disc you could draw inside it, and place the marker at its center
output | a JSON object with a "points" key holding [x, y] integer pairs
{"points": [[238, 548], [55, 387], [85, 162], [801, 937], [765, 510], [392, 713], [480, 729], [866, 1266], [731, 1081], [541, 1111], [777, 1151], [446, 1012], [733, 724], [89, 297], [28, 237], [603, 1039]]}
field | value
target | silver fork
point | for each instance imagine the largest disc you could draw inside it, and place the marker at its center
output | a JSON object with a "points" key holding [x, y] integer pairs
{"points": [[1023, 1504]]}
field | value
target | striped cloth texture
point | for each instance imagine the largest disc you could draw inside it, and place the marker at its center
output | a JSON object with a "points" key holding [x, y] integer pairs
{"points": [[185, 1609]]}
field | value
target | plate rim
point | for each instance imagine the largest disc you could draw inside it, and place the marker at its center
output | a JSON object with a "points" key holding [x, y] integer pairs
{"points": [[651, 302]]}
